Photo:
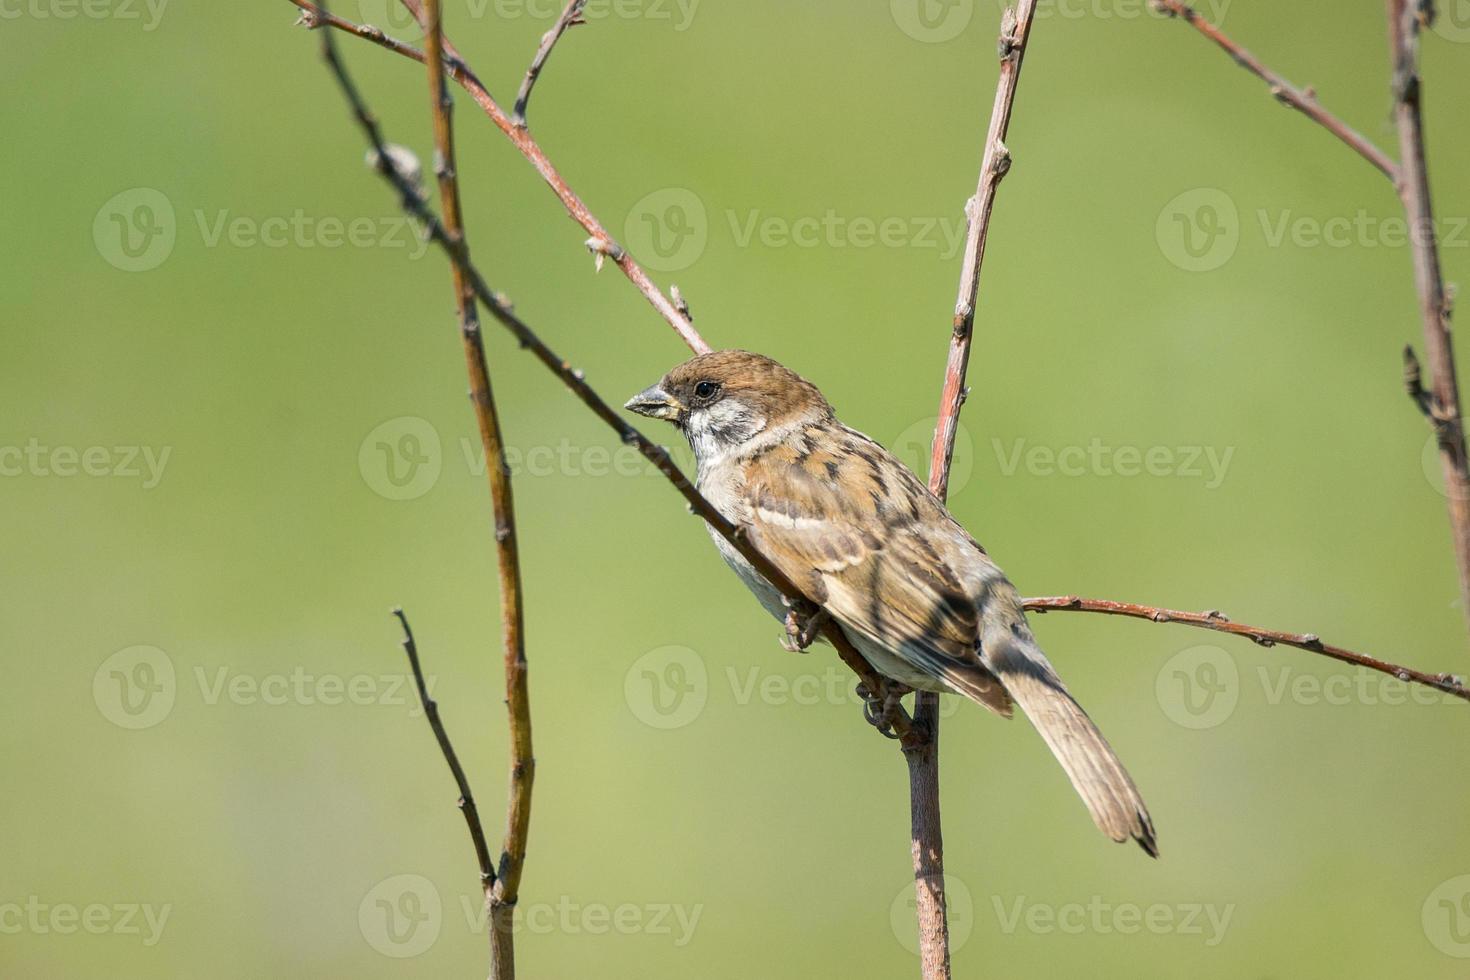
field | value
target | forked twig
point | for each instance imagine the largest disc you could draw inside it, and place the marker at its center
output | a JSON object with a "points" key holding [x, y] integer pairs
{"points": [[501, 899], [466, 798], [1302, 100], [570, 17], [1442, 404], [600, 240]]}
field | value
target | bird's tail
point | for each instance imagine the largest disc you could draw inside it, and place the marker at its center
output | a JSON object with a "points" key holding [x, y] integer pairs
{"points": [[1098, 776]]}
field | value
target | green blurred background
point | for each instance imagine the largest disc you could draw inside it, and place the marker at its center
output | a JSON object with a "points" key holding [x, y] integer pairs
{"points": [[204, 716]]}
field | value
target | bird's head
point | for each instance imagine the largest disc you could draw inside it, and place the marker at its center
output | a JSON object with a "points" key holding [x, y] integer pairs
{"points": [[725, 400]]}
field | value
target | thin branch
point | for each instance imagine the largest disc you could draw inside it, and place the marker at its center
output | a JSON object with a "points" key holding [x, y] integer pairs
{"points": [[570, 17], [1302, 100], [600, 240], [466, 798], [502, 898], [1443, 407], [1015, 30], [1214, 620], [501, 310], [921, 750]]}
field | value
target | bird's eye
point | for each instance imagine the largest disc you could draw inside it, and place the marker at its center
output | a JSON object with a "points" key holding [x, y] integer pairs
{"points": [[706, 390]]}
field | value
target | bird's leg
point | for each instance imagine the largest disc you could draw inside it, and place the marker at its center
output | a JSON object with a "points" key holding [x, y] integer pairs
{"points": [[802, 623], [881, 708]]}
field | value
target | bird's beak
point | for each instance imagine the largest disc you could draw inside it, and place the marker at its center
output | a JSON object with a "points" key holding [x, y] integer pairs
{"points": [[655, 403]]}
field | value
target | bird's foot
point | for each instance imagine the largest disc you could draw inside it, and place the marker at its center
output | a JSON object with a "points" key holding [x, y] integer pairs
{"points": [[881, 708], [802, 626]]}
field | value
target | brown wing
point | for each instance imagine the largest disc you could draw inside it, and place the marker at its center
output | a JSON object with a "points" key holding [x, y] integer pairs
{"points": [[854, 526]]}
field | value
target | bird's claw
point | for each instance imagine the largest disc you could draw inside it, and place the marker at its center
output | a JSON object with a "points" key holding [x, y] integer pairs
{"points": [[880, 709], [801, 630]]}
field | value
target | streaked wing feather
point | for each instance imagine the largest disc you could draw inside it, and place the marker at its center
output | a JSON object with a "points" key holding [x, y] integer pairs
{"points": [[863, 547]]}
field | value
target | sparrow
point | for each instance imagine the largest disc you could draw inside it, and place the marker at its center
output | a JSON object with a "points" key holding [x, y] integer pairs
{"points": [[863, 537]]}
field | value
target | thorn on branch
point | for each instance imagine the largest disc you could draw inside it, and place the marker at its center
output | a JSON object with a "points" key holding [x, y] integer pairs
{"points": [[398, 160], [1009, 42], [1414, 387], [1001, 165], [601, 248], [680, 303]]}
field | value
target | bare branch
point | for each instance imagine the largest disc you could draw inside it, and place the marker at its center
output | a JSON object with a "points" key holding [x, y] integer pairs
{"points": [[460, 72], [1015, 30], [570, 17], [466, 798], [500, 901], [921, 750], [1214, 620], [502, 311], [1302, 100], [1442, 403]]}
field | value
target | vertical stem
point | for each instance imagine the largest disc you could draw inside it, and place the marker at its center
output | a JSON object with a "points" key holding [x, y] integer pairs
{"points": [[501, 894], [921, 747], [1015, 31], [1413, 187], [921, 752]]}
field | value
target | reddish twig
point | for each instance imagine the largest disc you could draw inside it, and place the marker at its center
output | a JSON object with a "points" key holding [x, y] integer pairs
{"points": [[1214, 620], [501, 899], [1442, 404], [466, 798], [600, 240], [1015, 30], [921, 750], [1302, 100], [503, 313], [570, 17]]}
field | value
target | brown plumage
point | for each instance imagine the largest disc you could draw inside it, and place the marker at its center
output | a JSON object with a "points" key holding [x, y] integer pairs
{"points": [[864, 537]]}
